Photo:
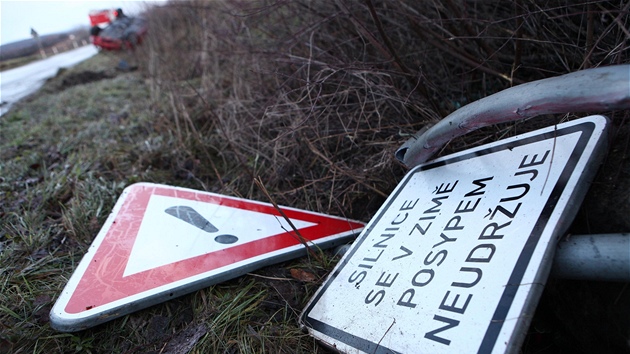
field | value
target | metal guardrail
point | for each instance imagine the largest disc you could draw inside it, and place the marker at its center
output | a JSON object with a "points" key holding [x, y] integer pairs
{"points": [[593, 257], [593, 90]]}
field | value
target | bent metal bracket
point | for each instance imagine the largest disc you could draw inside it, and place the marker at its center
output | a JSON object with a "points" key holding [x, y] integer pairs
{"points": [[592, 90]]}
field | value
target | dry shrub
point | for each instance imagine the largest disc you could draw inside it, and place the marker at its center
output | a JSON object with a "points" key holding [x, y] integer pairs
{"points": [[315, 96]]}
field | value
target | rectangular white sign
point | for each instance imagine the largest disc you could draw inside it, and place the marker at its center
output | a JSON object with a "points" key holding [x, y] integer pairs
{"points": [[456, 258]]}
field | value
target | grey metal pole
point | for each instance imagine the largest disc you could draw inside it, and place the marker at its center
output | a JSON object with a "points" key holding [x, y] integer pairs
{"points": [[592, 90], [593, 257], [604, 257]]}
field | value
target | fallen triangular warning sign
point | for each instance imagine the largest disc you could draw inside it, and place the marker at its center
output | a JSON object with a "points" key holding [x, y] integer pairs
{"points": [[161, 242]]}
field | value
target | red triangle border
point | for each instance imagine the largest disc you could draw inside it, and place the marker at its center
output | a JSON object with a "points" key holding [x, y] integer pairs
{"points": [[103, 282]]}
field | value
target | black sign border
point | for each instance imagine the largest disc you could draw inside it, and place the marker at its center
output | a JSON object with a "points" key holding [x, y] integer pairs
{"points": [[585, 128]]}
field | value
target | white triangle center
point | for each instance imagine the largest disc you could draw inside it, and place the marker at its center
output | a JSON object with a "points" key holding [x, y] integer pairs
{"points": [[164, 239]]}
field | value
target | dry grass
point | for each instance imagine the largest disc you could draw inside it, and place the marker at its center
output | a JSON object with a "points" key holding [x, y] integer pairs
{"points": [[315, 97], [311, 97]]}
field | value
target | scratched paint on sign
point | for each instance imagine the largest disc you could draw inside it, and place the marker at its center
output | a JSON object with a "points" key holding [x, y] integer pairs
{"points": [[189, 240], [160, 242]]}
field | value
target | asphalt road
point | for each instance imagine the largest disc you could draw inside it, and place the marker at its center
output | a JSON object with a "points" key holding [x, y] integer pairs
{"points": [[17, 83]]}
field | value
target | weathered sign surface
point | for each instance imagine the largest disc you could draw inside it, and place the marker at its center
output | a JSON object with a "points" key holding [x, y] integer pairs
{"points": [[161, 242], [456, 258]]}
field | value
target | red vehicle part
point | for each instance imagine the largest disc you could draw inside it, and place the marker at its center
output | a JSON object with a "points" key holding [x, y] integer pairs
{"points": [[107, 43], [121, 32], [98, 17]]}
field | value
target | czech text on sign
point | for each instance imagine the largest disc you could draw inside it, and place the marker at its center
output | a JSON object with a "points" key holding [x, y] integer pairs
{"points": [[456, 258], [161, 242]]}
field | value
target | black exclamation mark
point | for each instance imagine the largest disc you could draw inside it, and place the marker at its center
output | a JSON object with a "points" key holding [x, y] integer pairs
{"points": [[191, 216]]}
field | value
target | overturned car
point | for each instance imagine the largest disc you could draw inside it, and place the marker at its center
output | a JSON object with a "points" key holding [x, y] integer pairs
{"points": [[120, 31]]}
